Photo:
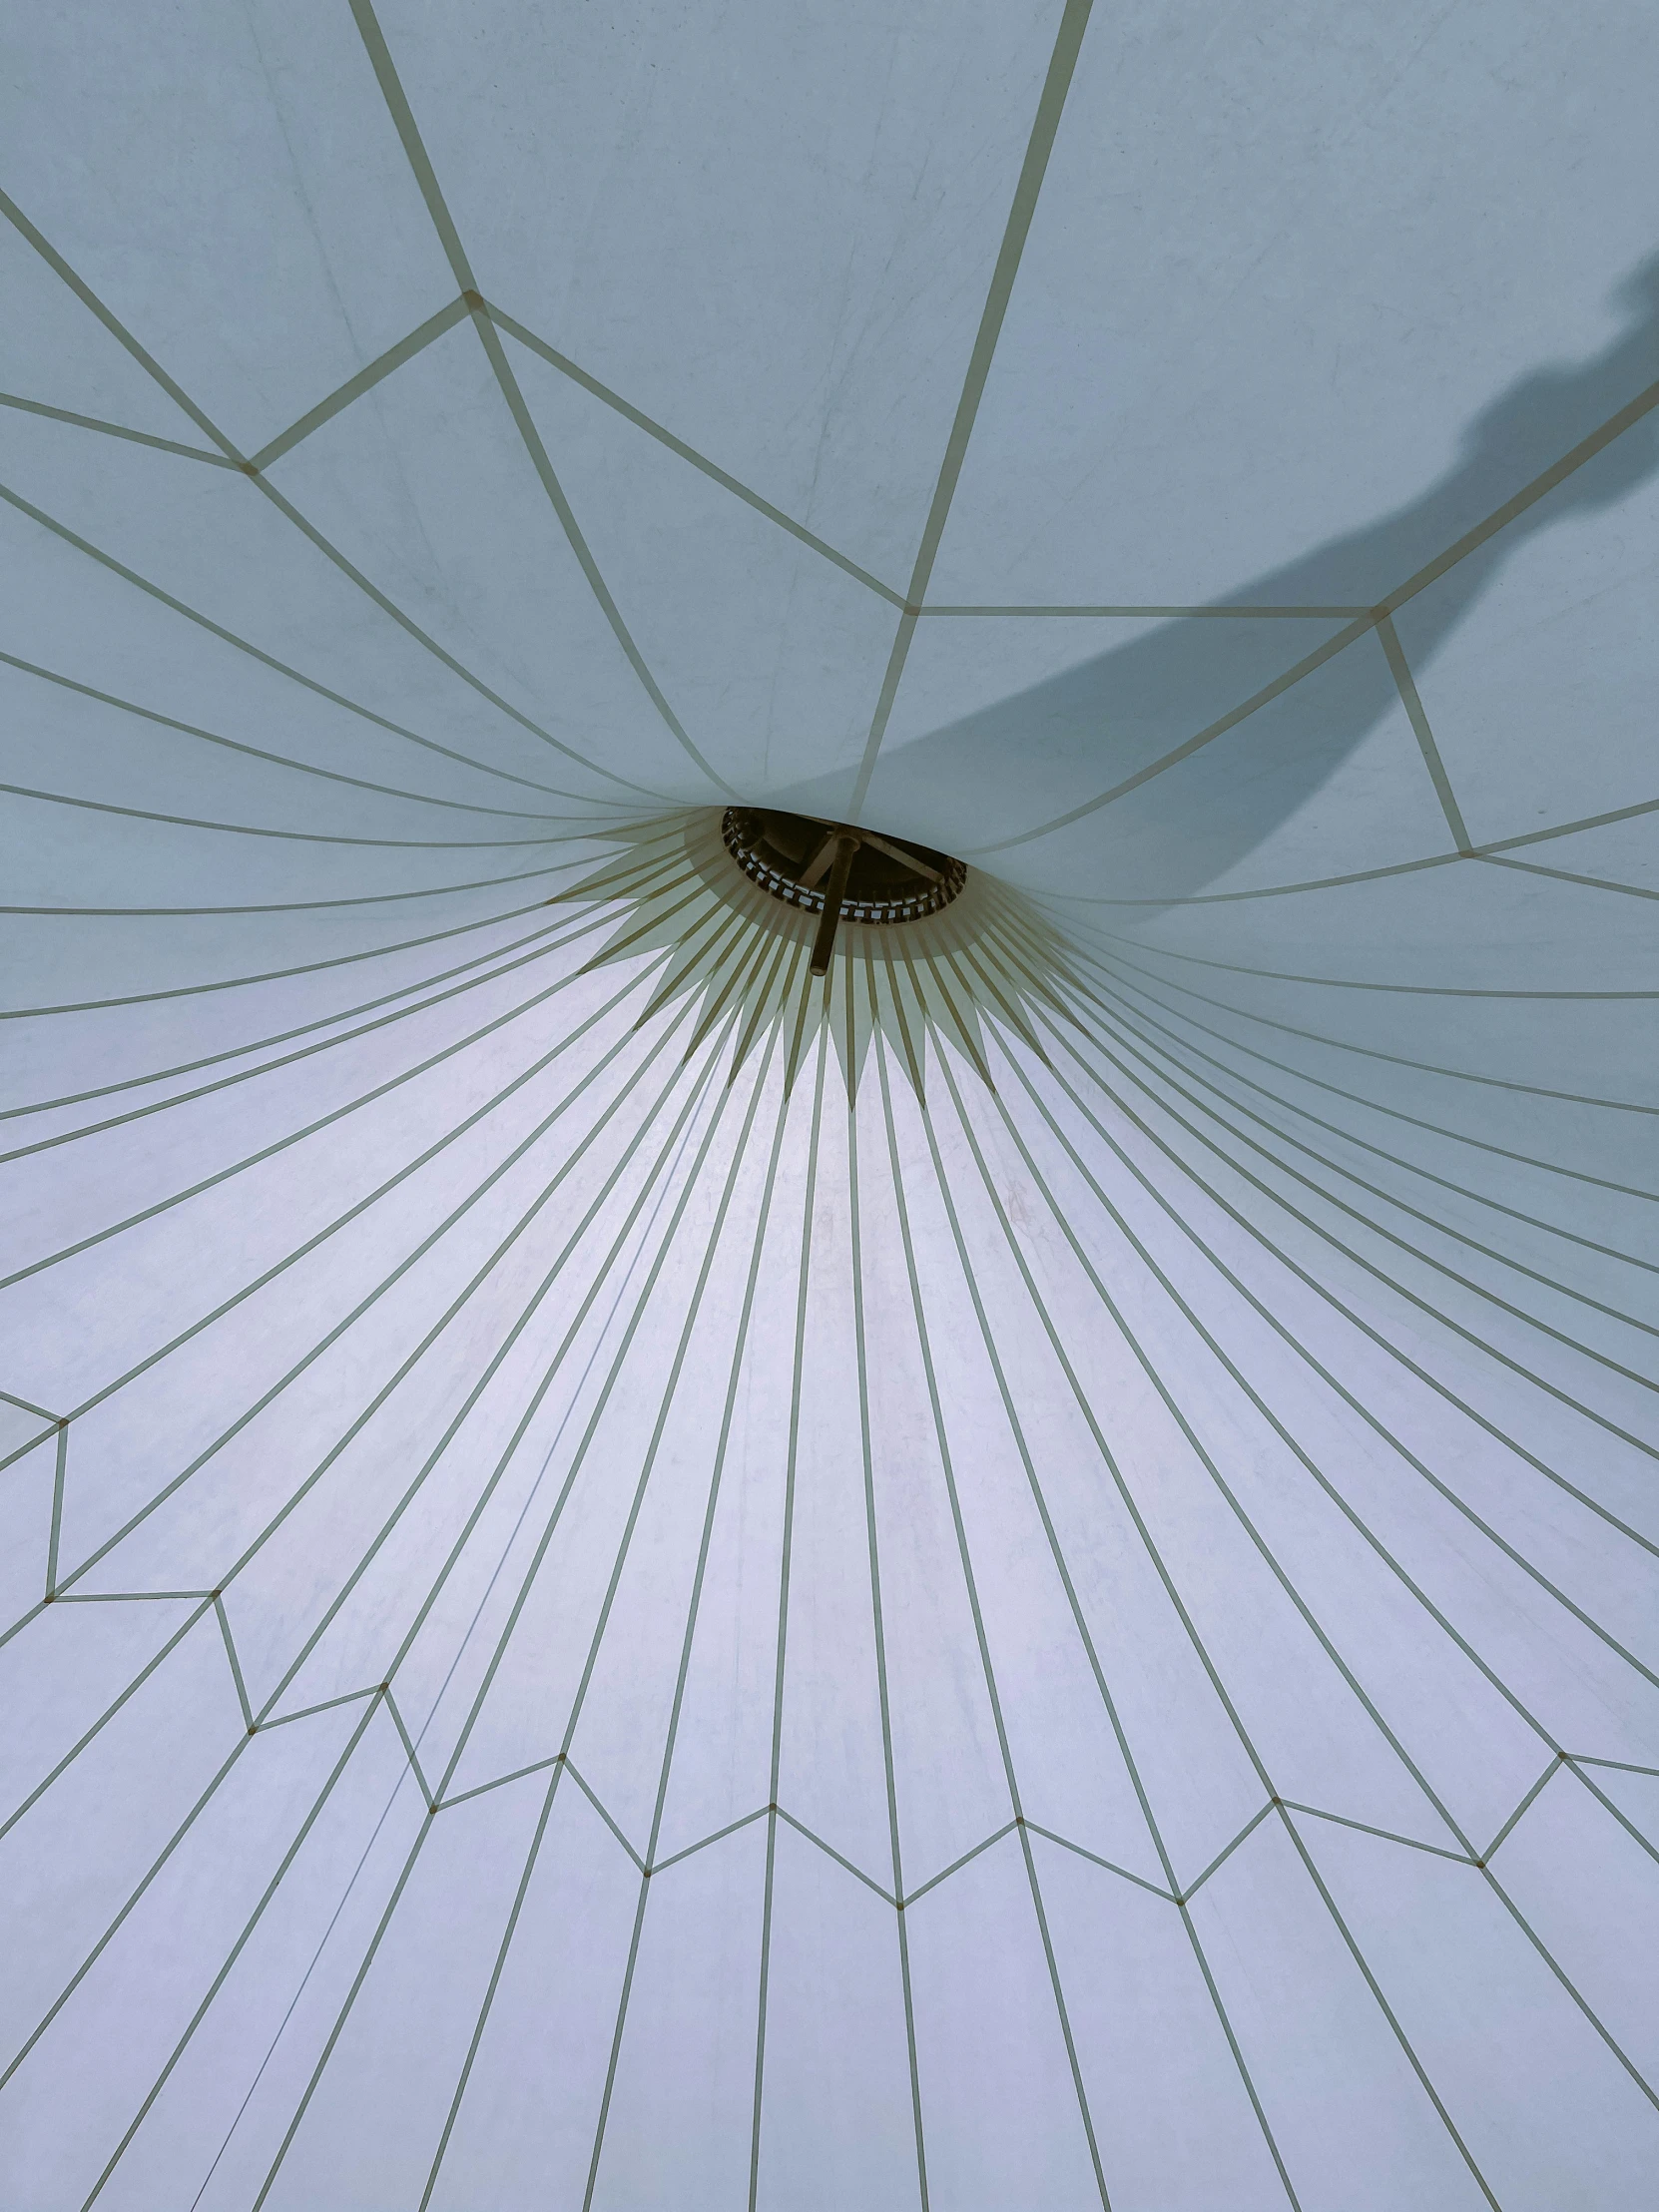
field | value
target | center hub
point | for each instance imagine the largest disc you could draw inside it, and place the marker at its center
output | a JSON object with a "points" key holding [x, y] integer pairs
{"points": [[838, 868]]}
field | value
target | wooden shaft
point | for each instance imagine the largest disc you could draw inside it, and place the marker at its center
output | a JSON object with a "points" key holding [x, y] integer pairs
{"points": [[846, 843]]}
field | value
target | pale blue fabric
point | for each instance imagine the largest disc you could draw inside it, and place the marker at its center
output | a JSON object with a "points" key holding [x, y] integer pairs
{"points": [[1024, 1582]]}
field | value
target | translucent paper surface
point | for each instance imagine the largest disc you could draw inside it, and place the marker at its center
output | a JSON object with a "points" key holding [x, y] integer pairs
{"points": [[1020, 1580]]}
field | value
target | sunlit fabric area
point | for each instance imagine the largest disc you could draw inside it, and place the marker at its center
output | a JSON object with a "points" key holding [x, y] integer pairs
{"points": [[829, 1298]]}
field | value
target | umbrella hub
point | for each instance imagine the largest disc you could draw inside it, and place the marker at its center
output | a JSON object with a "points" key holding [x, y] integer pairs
{"points": [[839, 871]]}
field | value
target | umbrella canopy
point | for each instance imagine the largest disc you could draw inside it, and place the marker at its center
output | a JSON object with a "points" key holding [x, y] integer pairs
{"points": [[830, 1308]]}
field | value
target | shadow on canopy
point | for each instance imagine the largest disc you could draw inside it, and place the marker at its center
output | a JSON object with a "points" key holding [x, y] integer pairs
{"points": [[1015, 765]]}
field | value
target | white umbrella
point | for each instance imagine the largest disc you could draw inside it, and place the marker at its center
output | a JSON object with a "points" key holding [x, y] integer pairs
{"points": [[1015, 1575]]}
